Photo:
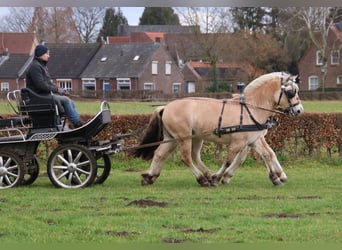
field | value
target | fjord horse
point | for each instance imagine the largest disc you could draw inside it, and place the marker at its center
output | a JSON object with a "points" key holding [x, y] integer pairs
{"points": [[240, 122]]}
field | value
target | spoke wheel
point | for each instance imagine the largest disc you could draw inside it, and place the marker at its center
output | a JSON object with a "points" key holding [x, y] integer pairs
{"points": [[31, 171], [103, 168], [71, 166], [11, 170]]}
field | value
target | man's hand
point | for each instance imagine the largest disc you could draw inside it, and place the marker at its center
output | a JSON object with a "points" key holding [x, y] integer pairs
{"points": [[61, 91]]}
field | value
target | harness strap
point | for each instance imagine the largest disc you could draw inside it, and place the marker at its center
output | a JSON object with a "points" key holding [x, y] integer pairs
{"points": [[271, 121]]}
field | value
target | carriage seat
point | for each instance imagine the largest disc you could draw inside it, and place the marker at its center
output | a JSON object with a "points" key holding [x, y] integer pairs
{"points": [[44, 110]]}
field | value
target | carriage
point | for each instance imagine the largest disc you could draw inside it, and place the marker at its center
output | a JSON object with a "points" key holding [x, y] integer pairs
{"points": [[79, 160]]}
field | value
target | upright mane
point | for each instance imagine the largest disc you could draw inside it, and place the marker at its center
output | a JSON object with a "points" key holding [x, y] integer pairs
{"points": [[261, 80]]}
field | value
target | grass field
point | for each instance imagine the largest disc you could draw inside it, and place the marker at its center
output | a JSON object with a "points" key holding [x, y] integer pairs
{"points": [[176, 209]]}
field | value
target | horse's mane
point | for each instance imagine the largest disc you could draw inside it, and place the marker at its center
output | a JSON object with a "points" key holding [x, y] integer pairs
{"points": [[256, 83]]}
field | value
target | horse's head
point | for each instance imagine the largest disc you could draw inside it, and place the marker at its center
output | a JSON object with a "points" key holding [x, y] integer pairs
{"points": [[289, 100]]}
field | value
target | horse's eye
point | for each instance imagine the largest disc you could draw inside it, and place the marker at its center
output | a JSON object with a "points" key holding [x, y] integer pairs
{"points": [[290, 93]]}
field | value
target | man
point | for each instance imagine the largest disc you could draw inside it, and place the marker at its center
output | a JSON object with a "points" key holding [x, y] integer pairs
{"points": [[38, 79]]}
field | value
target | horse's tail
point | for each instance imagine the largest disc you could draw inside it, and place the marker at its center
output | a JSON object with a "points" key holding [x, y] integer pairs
{"points": [[154, 133]]}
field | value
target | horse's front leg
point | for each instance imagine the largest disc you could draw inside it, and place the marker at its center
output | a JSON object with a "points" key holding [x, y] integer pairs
{"points": [[275, 171], [160, 155], [236, 155]]}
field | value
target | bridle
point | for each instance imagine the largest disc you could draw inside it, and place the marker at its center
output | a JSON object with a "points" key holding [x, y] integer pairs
{"points": [[289, 93]]}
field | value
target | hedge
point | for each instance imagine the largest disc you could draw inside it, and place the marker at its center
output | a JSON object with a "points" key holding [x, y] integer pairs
{"points": [[310, 134]]}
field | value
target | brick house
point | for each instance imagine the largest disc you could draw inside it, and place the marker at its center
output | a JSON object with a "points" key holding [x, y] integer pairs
{"points": [[198, 75], [312, 69], [67, 62], [16, 53], [134, 66]]}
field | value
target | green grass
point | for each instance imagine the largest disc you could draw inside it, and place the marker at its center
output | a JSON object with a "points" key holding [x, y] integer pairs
{"points": [[248, 210]]}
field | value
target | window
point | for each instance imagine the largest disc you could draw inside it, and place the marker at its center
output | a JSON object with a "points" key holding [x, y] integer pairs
{"points": [[89, 84], [335, 57], [168, 68], [176, 88], [155, 68], [123, 83], [64, 83], [4, 86], [319, 59], [191, 87], [136, 58], [339, 80], [313, 83], [148, 86]]}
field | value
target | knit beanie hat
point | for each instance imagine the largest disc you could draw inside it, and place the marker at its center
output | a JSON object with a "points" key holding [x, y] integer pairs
{"points": [[40, 50]]}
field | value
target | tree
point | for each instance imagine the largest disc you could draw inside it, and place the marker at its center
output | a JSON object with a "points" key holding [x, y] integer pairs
{"points": [[111, 22], [159, 16], [248, 18], [54, 25], [18, 20], [87, 22], [317, 23]]}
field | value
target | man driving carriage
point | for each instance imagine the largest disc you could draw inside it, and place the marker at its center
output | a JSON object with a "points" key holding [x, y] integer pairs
{"points": [[39, 80]]}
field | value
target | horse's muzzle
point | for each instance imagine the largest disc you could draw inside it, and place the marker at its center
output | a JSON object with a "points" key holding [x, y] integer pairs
{"points": [[295, 109]]}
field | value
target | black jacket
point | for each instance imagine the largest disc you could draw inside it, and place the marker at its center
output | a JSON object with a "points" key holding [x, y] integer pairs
{"points": [[38, 78]]}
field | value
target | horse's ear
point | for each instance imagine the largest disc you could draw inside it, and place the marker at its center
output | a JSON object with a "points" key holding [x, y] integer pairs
{"points": [[297, 79]]}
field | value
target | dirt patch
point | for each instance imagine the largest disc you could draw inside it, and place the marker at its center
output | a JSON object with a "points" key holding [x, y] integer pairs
{"points": [[122, 233], [3, 200], [201, 230], [308, 197], [173, 240], [147, 203], [283, 215], [258, 198]]}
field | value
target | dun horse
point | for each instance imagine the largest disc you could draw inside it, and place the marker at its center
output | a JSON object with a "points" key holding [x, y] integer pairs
{"points": [[240, 122]]}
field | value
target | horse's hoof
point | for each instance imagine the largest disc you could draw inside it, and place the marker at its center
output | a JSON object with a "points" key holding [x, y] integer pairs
{"points": [[203, 182], [147, 179], [214, 181]]}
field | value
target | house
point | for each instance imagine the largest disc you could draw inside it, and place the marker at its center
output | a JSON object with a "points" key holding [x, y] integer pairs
{"points": [[67, 62], [136, 37], [134, 66], [198, 76], [312, 70], [16, 53], [126, 30]]}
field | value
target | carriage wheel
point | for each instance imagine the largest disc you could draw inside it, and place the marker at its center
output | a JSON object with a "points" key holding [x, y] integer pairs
{"points": [[11, 170], [31, 172], [103, 168], [71, 166]]}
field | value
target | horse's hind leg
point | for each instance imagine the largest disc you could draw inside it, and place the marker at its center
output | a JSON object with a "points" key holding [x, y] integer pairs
{"points": [[186, 155], [230, 171], [275, 171], [236, 155], [196, 157], [160, 155]]}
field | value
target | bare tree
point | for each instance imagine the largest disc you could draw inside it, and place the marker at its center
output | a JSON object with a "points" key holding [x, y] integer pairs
{"points": [[317, 22], [88, 22], [18, 19], [55, 25]]}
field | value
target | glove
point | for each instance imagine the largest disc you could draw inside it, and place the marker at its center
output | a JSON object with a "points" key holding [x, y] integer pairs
{"points": [[61, 91]]}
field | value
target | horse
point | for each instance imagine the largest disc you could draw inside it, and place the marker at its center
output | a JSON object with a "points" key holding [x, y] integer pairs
{"points": [[240, 122]]}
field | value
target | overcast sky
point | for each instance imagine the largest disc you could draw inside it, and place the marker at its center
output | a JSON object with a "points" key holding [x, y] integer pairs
{"points": [[131, 13]]}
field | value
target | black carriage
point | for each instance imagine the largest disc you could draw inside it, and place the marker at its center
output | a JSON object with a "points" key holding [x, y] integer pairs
{"points": [[79, 160]]}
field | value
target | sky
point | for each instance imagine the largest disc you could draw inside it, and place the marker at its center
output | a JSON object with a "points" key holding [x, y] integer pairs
{"points": [[131, 13]]}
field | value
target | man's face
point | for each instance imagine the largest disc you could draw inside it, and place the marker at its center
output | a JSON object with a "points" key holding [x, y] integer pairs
{"points": [[45, 57]]}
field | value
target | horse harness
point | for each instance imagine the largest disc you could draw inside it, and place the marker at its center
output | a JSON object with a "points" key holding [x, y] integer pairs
{"points": [[271, 121]]}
